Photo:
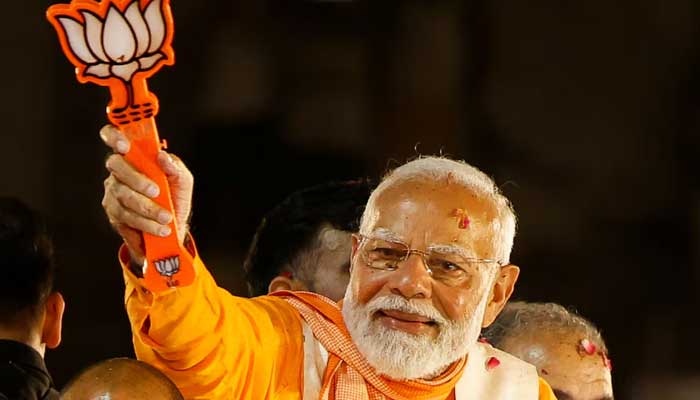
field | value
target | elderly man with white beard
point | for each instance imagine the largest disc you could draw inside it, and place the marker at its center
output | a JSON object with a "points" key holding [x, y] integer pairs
{"points": [[430, 268]]}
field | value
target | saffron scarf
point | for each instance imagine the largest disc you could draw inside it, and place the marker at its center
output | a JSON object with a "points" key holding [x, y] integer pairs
{"points": [[348, 376]]}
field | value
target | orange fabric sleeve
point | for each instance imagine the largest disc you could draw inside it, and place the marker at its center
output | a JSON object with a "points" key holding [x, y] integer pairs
{"points": [[546, 391], [214, 345]]}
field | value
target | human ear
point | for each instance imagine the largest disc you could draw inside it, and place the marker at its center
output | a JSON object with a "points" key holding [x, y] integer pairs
{"points": [[53, 320], [355, 246], [281, 282], [500, 292]]}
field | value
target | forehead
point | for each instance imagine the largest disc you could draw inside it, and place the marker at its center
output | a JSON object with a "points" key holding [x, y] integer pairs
{"points": [[427, 212]]}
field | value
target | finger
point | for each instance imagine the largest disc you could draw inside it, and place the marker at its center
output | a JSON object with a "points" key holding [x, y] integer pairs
{"points": [[121, 215], [115, 139], [140, 204], [129, 176]]}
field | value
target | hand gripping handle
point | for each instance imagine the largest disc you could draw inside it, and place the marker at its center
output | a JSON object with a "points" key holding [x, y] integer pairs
{"points": [[168, 263]]}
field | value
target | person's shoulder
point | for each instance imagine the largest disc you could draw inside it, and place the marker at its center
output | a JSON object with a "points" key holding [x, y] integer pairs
{"points": [[520, 369], [493, 374], [507, 361]]}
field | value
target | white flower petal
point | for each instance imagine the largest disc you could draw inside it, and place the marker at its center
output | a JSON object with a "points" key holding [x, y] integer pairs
{"points": [[118, 39], [93, 32], [156, 25], [98, 70], [138, 24], [148, 61], [125, 71], [75, 33]]}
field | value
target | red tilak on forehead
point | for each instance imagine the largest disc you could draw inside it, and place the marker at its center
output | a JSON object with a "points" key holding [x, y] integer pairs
{"points": [[462, 218]]}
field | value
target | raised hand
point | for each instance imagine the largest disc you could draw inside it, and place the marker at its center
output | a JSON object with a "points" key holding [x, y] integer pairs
{"points": [[128, 195]]}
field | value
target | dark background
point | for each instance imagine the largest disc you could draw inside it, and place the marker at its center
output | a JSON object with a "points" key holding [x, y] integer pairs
{"points": [[585, 111]]}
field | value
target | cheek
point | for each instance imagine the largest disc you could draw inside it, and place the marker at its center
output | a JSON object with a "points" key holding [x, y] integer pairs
{"points": [[455, 303], [369, 283]]}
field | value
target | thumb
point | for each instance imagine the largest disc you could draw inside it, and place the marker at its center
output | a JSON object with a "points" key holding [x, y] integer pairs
{"points": [[181, 184]]}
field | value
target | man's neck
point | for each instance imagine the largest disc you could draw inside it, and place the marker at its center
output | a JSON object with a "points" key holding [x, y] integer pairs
{"points": [[31, 339]]}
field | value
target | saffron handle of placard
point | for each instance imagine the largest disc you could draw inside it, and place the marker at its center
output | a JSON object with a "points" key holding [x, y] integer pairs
{"points": [[168, 263]]}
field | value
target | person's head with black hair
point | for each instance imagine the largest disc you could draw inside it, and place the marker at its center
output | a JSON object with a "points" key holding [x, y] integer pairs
{"points": [[304, 243], [31, 311]]}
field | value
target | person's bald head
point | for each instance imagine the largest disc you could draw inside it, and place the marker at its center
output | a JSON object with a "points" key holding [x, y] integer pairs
{"points": [[567, 349], [121, 379]]}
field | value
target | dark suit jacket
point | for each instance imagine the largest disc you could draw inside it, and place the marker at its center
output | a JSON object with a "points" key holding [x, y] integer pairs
{"points": [[23, 374]]}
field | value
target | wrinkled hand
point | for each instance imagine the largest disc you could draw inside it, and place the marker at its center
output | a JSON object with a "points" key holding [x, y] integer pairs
{"points": [[128, 195]]}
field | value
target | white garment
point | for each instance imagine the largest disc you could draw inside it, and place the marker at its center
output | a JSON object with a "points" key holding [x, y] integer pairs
{"points": [[512, 379]]}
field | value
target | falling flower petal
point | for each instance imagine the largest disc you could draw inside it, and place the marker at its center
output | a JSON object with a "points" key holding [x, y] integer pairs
{"points": [[492, 363], [93, 30], [464, 222], [588, 347], [118, 39], [75, 32], [483, 340], [156, 25], [148, 61], [125, 71], [138, 24], [98, 70]]}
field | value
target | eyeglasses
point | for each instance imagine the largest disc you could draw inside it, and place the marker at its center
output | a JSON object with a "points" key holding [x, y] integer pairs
{"points": [[443, 264]]}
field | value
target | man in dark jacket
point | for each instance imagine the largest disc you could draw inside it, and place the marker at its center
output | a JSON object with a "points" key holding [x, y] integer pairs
{"points": [[31, 312]]}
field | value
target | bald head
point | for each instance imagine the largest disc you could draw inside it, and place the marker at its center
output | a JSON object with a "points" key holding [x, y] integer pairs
{"points": [[120, 379], [567, 349]]}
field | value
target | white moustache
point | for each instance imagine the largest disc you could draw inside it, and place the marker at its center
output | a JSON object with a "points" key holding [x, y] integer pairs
{"points": [[398, 303]]}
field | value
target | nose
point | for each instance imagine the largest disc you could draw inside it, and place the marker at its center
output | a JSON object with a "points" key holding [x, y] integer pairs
{"points": [[412, 279]]}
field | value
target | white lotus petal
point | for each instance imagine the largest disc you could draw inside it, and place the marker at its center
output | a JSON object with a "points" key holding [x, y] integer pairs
{"points": [[118, 39], [168, 265], [98, 70], [138, 24], [148, 61], [125, 71], [93, 30], [75, 32], [156, 25]]}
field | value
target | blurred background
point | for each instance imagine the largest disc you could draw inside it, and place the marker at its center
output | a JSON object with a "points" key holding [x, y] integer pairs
{"points": [[586, 112]]}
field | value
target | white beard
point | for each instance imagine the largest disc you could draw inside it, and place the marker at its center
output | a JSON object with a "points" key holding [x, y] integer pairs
{"points": [[400, 355]]}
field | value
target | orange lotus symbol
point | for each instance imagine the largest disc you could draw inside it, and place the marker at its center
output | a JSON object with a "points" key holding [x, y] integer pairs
{"points": [[116, 43]]}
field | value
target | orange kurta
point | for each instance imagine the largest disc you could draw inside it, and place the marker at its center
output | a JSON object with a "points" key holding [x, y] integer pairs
{"points": [[217, 346]]}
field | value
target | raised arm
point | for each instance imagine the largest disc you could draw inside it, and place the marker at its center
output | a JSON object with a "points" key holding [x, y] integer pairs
{"points": [[211, 344]]}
